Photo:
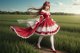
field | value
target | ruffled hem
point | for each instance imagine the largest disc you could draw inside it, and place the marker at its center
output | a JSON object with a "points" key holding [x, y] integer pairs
{"points": [[48, 33], [25, 37]]}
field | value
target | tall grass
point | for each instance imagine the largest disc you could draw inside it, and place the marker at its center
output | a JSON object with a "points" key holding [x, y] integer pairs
{"points": [[9, 42], [68, 38], [16, 47]]}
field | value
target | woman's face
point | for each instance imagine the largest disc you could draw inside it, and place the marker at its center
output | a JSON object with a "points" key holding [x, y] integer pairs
{"points": [[47, 8]]}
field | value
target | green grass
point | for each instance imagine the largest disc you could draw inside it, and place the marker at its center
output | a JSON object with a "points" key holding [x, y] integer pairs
{"points": [[16, 47], [67, 39]]}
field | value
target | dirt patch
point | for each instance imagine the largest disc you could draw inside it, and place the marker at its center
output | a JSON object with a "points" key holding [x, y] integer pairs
{"points": [[46, 50]]}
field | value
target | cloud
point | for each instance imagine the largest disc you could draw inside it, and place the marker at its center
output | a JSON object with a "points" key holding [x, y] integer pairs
{"points": [[47, 0], [13, 9], [76, 2], [53, 4], [60, 3]]}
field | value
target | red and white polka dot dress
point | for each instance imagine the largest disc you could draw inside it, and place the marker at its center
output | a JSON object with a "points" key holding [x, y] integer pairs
{"points": [[42, 26]]}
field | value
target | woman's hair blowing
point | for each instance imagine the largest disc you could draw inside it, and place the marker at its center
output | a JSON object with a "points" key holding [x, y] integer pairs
{"points": [[43, 7]]}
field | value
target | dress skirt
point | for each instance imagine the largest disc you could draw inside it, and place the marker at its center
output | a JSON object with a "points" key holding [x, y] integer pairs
{"points": [[39, 26]]}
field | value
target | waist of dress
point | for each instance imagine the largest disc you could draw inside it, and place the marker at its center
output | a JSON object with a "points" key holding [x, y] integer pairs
{"points": [[47, 18]]}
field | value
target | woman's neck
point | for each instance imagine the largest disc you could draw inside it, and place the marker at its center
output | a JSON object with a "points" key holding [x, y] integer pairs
{"points": [[46, 10]]}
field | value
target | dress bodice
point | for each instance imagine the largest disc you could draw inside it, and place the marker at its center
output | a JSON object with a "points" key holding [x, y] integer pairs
{"points": [[45, 14]]}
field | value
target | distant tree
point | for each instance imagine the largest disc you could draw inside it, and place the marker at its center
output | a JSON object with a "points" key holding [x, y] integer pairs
{"points": [[33, 13]]}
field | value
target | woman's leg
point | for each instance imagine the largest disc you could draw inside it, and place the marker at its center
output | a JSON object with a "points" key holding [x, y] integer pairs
{"points": [[52, 42], [39, 41]]}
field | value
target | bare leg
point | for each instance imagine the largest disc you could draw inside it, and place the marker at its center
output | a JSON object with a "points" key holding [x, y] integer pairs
{"points": [[39, 41], [52, 42]]}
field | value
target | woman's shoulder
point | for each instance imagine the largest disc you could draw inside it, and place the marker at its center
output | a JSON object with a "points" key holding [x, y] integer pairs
{"points": [[41, 12], [45, 11]]}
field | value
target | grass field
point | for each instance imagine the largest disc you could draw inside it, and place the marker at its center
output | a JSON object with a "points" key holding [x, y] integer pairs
{"points": [[67, 39]]}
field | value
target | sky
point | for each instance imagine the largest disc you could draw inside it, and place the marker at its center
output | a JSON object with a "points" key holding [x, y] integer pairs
{"points": [[66, 6]]}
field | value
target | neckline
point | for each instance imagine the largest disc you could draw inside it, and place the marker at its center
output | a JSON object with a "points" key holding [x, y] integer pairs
{"points": [[45, 11]]}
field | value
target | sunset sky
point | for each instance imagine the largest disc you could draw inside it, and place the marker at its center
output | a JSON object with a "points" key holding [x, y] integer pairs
{"points": [[67, 6]]}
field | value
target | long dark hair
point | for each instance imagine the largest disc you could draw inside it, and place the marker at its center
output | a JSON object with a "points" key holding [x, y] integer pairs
{"points": [[43, 7]]}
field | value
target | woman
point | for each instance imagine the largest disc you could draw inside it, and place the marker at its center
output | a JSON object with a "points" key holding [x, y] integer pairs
{"points": [[44, 26]]}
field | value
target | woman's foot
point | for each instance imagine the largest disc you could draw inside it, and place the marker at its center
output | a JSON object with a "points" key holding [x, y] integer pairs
{"points": [[54, 51], [38, 46]]}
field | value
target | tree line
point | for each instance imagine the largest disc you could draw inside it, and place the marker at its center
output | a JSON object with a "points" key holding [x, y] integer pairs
{"points": [[33, 13]]}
